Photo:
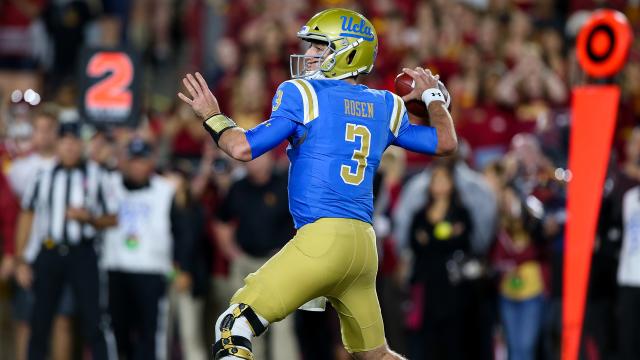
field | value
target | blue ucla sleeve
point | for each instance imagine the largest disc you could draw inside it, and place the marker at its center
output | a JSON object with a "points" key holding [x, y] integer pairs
{"points": [[418, 138], [289, 111], [269, 134], [296, 100], [288, 102]]}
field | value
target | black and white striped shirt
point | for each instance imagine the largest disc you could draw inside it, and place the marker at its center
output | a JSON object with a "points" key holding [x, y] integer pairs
{"points": [[56, 190]]}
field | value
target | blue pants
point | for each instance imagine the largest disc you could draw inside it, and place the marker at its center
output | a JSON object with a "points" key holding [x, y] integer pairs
{"points": [[522, 323]]}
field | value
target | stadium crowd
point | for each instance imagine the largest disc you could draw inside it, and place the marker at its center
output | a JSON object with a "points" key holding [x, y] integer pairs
{"points": [[470, 246]]}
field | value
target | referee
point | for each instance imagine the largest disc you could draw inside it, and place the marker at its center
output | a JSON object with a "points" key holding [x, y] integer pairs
{"points": [[70, 200]]}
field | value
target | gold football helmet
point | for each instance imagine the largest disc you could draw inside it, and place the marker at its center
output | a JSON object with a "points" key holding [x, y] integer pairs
{"points": [[352, 45]]}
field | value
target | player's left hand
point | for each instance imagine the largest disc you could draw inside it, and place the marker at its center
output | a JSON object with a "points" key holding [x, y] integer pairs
{"points": [[203, 103], [78, 214], [424, 80], [183, 282], [24, 275]]}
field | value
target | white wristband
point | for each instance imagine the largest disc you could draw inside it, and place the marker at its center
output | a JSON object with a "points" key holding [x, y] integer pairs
{"points": [[433, 94]]}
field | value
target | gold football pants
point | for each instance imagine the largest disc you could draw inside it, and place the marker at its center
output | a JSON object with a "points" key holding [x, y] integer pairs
{"points": [[335, 258]]}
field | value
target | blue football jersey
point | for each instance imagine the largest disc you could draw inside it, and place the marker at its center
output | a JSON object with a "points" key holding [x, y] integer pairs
{"points": [[340, 135]]}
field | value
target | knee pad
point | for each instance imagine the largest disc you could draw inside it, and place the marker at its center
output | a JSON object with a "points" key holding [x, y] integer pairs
{"points": [[234, 330]]}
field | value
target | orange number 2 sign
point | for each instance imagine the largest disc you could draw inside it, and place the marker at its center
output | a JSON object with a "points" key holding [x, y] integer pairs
{"points": [[111, 94]]}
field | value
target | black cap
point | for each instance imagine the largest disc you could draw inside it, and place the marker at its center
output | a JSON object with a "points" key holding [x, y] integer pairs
{"points": [[69, 129], [139, 148]]}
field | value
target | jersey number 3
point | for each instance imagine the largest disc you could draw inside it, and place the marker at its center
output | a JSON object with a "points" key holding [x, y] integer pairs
{"points": [[359, 154]]}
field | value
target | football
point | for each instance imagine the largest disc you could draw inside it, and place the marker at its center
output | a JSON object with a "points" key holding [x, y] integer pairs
{"points": [[404, 84]]}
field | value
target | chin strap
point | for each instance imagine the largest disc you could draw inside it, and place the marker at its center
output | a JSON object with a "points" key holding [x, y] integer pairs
{"points": [[317, 75]]}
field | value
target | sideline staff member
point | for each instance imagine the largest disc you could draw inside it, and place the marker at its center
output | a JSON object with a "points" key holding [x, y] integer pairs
{"points": [[139, 253]]}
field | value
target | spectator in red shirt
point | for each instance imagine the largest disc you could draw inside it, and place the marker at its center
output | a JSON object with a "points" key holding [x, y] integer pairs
{"points": [[17, 42], [8, 218], [530, 88]]}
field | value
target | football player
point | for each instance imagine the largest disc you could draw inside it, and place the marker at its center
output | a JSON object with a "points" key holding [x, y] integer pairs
{"points": [[337, 131]]}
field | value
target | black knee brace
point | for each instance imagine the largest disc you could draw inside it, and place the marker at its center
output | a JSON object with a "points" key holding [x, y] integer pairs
{"points": [[228, 345]]}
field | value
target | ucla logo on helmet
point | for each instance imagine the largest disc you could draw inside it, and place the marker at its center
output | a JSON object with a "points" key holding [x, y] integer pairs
{"points": [[359, 30]]}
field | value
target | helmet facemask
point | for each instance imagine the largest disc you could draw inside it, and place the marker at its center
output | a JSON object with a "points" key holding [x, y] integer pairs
{"points": [[300, 67], [298, 64]]}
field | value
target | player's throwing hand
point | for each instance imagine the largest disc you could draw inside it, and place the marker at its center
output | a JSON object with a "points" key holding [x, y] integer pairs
{"points": [[203, 103], [424, 80]]}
